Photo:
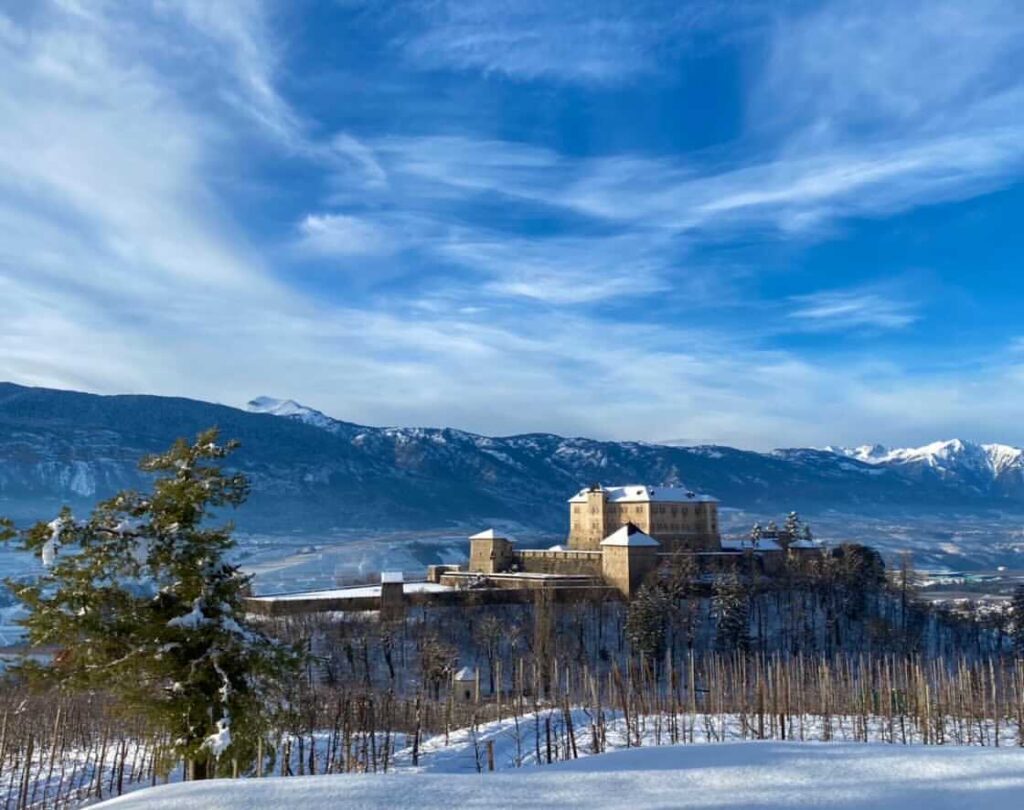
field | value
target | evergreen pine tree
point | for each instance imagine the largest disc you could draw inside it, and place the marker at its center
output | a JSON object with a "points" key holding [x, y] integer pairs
{"points": [[731, 610], [1017, 616], [646, 620], [141, 601]]}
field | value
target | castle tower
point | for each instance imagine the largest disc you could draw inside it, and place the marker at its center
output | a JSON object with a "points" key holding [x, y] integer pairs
{"points": [[392, 596], [587, 518], [628, 555], [489, 553]]}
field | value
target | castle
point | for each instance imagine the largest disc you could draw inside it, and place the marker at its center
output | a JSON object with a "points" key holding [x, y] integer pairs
{"points": [[618, 536], [680, 520]]}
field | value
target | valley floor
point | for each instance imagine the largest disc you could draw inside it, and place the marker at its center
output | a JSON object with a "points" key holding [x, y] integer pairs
{"points": [[747, 775]]}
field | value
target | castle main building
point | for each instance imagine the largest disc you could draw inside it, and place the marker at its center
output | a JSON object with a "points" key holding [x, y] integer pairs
{"points": [[677, 518]]}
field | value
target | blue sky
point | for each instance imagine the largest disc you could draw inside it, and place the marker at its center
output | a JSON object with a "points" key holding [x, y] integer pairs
{"points": [[752, 223]]}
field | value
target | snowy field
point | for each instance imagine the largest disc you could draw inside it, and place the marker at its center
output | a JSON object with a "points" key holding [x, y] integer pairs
{"points": [[739, 776], [521, 752]]}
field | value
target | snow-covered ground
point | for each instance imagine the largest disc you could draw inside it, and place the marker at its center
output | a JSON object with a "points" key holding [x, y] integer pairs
{"points": [[521, 746], [748, 775], [355, 592], [292, 563]]}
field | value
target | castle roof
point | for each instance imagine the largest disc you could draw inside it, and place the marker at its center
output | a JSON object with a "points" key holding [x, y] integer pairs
{"points": [[487, 534], [746, 544], [641, 493], [629, 535]]}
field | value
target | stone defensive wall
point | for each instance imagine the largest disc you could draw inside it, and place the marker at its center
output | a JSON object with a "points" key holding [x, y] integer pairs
{"points": [[461, 597], [535, 561]]}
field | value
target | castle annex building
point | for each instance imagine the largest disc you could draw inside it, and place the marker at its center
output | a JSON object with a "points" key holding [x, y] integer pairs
{"points": [[679, 519]]}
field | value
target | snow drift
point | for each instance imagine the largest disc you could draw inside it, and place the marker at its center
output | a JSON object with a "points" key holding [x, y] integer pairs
{"points": [[772, 776]]}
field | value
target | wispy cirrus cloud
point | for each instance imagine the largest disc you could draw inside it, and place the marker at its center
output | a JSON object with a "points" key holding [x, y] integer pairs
{"points": [[645, 206], [236, 42], [602, 41], [563, 270], [876, 307], [343, 235], [852, 70], [511, 258]]}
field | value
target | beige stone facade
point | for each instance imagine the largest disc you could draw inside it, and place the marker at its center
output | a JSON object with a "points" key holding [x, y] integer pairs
{"points": [[677, 518], [490, 553], [628, 556]]}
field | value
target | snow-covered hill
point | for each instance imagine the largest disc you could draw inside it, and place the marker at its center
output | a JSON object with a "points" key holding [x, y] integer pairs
{"points": [[753, 775]]}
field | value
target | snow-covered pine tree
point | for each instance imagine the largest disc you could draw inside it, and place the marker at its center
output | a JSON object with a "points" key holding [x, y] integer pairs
{"points": [[1017, 617], [140, 601], [792, 526]]}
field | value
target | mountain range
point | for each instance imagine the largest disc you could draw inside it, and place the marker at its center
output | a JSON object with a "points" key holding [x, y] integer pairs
{"points": [[312, 473]]}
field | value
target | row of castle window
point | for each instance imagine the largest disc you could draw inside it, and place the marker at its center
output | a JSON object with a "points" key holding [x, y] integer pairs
{"points": [[638, 510]]}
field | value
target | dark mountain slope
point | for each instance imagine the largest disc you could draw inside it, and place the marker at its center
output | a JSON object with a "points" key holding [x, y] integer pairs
{"points": [[63, 446]]}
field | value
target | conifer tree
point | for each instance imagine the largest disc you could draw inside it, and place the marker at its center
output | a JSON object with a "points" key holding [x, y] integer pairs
{"points": [[731, 608], [1017, 616], [646, 619], [141, 600]]}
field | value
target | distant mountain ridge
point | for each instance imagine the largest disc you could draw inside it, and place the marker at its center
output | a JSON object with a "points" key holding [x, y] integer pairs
{"points": [[998, 468], [312, 473], [981, 466]]}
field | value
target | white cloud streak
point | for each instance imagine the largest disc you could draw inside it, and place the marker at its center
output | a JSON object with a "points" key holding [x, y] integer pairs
{"points": [[598, 42], [342, 235], [122, 269], [871, 308]]}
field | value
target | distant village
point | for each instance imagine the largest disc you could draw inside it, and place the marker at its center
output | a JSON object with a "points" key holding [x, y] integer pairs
{"points": [[618, 537]]}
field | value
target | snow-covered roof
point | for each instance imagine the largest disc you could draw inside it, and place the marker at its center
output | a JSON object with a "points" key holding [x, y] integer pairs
{"points": [[391, 577], [629, 535], [641, 493], [465, 674], [745, 544], [488, 534]]}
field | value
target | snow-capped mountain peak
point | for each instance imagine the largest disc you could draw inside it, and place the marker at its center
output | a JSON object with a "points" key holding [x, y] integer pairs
{"points": [[290, 409], [950, 458]]}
